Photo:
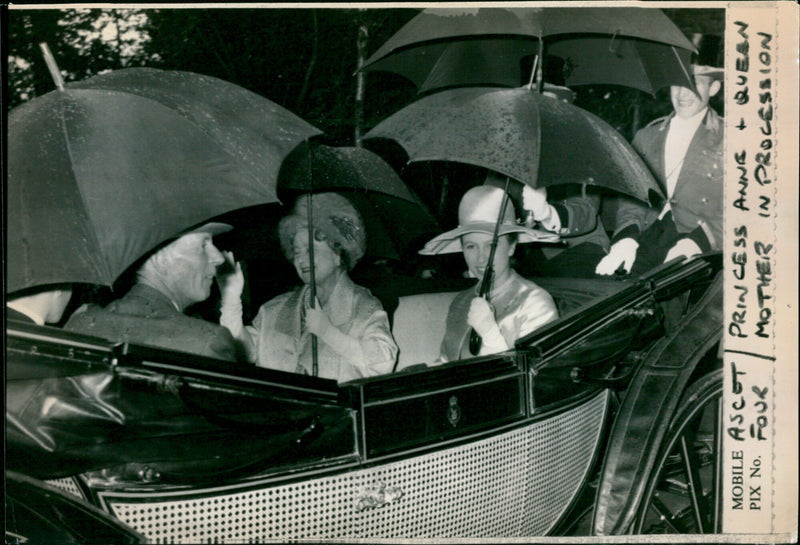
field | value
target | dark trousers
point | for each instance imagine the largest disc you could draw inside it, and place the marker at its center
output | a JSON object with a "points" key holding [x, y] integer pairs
{"points": [[577, 261], [654, 243]]}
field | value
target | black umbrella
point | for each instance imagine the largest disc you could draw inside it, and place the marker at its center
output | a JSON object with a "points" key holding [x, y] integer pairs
{"points": [[394, 216], [444, 47], [530, 137], [641, 64], [104, 170]]}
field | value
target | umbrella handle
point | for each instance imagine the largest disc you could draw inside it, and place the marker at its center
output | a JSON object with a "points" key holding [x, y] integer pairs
{"points": [[536, 68], [611, 48], [312, 282], [533, 72], [475, 340], [50, 60]]}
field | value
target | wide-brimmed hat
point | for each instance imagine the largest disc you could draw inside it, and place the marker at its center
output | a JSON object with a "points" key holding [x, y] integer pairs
{"points": [[212, 228], [334, 218], [478, 213], [710, 71], [709, 58]]}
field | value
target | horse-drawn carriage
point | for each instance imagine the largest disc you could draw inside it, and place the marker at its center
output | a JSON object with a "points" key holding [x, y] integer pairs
{"points": [[604, 421]]}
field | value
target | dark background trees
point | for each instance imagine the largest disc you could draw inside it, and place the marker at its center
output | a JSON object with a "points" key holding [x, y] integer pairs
{"points": [[302, 58]]}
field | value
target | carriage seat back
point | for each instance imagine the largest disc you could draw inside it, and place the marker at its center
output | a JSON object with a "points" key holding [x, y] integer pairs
{"points": [[419, 325], [419, 321]]}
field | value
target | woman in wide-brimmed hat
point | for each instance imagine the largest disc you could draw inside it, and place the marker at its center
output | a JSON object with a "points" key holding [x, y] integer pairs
{"points": [[352, 328], [518, 306]]}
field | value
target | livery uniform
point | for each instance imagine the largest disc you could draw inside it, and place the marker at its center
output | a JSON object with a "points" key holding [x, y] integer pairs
{"points": [[694, 206]]}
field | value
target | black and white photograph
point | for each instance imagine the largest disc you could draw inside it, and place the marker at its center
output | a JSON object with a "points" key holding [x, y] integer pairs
{"points": [[400, 272]]}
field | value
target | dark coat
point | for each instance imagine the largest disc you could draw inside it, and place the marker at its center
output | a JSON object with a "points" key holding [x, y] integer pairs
{"points": [[578, 209], [146, 316], [696, 203]]}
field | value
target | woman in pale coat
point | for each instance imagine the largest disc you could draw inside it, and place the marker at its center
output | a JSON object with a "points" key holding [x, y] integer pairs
{"points": [[518, 305], [354, 337]]}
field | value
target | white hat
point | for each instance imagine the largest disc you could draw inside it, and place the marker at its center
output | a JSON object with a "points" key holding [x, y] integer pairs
{"points": [[478, 213]]}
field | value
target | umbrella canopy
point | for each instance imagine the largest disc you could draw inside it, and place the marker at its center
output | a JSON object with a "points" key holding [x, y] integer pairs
{"points": [[467, 46], [641, 64], [394, 217], [101, 172], [532, 138]]}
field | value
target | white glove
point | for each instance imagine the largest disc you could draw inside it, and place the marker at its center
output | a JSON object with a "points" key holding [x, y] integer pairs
{"points": [[535, 200], [622, 252], [231, 286], [481, 319], [317, 322], [685, 247]]}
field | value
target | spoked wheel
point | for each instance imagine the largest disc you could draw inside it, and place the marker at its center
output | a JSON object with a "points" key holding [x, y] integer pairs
{"points": [[683, 494]]}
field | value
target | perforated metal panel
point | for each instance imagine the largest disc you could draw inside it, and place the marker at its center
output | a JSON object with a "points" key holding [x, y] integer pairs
{"points": [[517, 483], [68, 485]]}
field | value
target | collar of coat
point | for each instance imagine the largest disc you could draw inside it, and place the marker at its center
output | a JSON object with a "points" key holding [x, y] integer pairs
{"points": [[158, 302], [339, 307], [712, 120]]}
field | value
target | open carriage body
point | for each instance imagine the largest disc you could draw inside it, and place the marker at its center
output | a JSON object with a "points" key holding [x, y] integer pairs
{"points": [[601, 422]]}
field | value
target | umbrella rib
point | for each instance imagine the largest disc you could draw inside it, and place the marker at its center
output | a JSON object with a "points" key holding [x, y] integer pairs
{"points": [[641, 64], [680, 62], [107, 276], [90, 219], [189, 120]]}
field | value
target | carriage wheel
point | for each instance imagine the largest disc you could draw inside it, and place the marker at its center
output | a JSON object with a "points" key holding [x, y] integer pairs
{"points": [[682, 496]]}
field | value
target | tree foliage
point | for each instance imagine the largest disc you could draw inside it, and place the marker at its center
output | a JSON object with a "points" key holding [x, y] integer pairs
{"points": [[85, 42], [303, 58], [268, 51], [272, 52]]}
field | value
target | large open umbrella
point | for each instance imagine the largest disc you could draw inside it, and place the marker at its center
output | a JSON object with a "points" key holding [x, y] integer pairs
{"points": [[530, 137], [444, 47], [102, 171], [394, 216]]}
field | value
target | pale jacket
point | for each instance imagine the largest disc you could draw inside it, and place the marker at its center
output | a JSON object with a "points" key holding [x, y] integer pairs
{"points": [[278, 340], [520, 306]]}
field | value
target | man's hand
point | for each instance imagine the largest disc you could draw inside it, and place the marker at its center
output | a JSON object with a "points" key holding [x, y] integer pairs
{"points": [[231, 286], [685, 247], [622, 253], [481, 316], [230, 279]]}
